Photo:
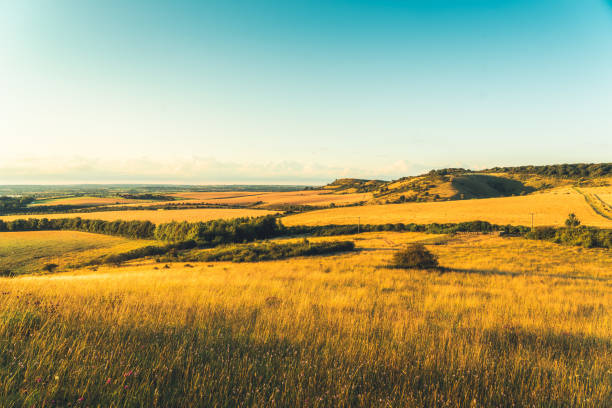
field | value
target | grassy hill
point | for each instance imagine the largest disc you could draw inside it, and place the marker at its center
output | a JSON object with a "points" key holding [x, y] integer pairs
{"points": [[458, 184]]}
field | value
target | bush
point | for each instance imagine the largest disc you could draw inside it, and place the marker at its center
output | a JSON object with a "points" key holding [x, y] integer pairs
{"points": [[414, 256], [50, 267]]}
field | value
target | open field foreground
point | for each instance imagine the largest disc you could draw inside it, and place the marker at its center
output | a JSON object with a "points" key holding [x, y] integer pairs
{"points": [[155, 216], [549, 208], [513, 323], [26, 252]]}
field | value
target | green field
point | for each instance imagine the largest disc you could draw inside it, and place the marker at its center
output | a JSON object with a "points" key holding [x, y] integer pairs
{"points": [[28, 252]]}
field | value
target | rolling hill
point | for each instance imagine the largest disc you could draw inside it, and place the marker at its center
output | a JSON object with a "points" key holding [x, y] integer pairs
{"points": [[458, 184]]}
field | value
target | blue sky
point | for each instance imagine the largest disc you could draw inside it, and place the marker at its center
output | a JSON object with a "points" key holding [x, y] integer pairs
{"points": [[299, 91]]}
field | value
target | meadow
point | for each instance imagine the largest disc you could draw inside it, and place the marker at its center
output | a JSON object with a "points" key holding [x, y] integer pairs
{"points": [[27, 252], [549, 208], [155, 216], [511, 323]]}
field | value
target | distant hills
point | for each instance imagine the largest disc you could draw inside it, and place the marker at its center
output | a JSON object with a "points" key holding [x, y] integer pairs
{"points": [[458, 183]]}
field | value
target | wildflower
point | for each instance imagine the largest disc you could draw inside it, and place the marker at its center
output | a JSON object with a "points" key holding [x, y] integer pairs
{"points": [[57, 378], [81, 399], [108, 380], [128, 373], [38, 380]]}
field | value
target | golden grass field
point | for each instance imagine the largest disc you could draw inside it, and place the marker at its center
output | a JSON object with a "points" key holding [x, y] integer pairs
{"points": [[515, 323], [155, 216], [309, 197], [92, 201], [602, 193], [29, 251], [549, 208]]}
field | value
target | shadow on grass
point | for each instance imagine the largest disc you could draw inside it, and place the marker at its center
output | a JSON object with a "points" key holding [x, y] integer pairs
{"points": [[486, 272], [547, 343]]}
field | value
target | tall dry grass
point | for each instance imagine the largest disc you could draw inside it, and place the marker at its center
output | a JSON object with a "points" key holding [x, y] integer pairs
{"points": [[333, 331]]}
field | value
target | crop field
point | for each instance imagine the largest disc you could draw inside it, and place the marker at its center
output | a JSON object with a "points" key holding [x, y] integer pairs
{"points": [[549, 208], [602, 193], [511, 323], [155, 216], [314, 198], [90, 201], [23, 252]]}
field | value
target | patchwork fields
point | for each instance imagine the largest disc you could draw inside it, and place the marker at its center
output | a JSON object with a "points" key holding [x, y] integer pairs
{"points": [[549, 208], [155, 216]]}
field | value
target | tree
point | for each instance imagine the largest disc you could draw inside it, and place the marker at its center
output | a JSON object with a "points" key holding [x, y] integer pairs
{"points": [[572, 221]]}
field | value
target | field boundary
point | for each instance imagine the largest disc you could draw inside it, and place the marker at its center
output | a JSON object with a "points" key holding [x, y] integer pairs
{"points": [[597, 204]]}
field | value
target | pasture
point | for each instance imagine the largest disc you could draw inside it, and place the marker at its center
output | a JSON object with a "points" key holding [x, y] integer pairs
{"points": [[549, 208], [27, 252], [155, 216], [511, 324]]}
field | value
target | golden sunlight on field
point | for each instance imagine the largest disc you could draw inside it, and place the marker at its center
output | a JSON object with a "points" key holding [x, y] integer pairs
{"points": [[155, 216], [89, 201], [26, 252], [549, 208], [512, 324], [310, 197]]}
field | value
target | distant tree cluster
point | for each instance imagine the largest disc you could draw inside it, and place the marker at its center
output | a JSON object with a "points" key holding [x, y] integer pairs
{"points": [[9, 204], [433, 228], [217, 232], [578, 170], [128, 229], [204, 233], [574, 234], [147, 196], [448, 172], [271, 251]]}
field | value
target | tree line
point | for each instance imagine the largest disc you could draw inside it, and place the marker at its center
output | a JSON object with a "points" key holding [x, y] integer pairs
{"points": [[209, 233], [10, 204], [576, 170], [242, 230]]}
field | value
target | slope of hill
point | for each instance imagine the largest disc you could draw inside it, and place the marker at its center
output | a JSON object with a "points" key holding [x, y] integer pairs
{"points": [[458, 183]]}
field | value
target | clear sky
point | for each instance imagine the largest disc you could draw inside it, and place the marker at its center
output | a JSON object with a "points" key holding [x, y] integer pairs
{"points": [[298, 91]]}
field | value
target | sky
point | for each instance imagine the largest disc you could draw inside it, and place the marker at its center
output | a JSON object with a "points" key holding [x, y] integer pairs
{"points": [[298, 92]]}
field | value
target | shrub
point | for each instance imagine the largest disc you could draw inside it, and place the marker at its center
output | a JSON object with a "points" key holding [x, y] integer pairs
{"points": [[50, 267], [414, 256]]}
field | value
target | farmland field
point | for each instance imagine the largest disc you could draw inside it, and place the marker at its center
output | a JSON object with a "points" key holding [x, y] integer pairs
{"points": [[511, 323], [22, 252], [155, 216], [88, 201], [311, 197], [549, 208]]}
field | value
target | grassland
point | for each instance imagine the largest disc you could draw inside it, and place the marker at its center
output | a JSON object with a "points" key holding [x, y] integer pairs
{"points": [[513, 324], [28, 252], [549, 208], [155, 216]]}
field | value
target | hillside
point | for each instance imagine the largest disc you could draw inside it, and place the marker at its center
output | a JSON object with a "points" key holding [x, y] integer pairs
{"points": [[458, 184]]}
